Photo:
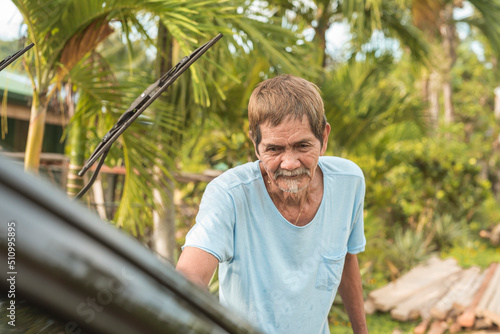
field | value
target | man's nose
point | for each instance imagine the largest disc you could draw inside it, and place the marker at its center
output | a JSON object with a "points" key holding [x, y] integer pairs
{"points": [[290, 161]]}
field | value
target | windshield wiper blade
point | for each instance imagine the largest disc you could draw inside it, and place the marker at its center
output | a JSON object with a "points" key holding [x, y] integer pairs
{"points": [[10, 59], [137, 107]]}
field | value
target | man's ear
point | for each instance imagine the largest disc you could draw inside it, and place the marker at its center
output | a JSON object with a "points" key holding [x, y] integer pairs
{"points": [[326, 134], [250, 134]]}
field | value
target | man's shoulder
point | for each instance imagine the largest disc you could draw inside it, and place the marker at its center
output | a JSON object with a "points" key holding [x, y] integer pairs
{"points": [[239, 175], [339, 166]]}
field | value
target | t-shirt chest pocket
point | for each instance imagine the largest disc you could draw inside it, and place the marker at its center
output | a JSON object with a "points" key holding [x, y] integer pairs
{"points": [[330, 270]]}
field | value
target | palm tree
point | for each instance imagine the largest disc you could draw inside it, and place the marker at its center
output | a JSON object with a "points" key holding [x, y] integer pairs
{"points": [[434, 45], [437, 20], [363, 17], [61, 40]]}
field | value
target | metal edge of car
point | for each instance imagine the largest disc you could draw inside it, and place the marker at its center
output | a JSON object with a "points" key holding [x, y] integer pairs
{"points": [[90, 275]]}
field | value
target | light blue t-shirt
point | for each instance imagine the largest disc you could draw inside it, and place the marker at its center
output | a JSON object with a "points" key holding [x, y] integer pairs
{"points": [[281, 277]]}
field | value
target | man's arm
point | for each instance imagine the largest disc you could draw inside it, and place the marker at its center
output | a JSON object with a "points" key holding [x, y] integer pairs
{"points": [[197, 265], [351, 291]]}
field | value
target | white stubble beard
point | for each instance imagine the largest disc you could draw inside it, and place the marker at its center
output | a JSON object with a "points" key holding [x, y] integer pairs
{"points": [[292, 184]]}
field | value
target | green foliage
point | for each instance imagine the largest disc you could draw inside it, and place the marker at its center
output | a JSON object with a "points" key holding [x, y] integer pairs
{"points": [[189, 196], [219, 148], [474, 253], [363, 99], [378, 323], [489, 214], [447, 231], [408, 248], [485, 20], [424, 196], [425, 178], [8, 48]]}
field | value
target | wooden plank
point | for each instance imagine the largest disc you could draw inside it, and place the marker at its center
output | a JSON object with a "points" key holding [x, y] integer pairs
{"points": [[468, 318], [422, 327], [455, 292], [491, 309], [370, 306], [483, 308], [420, 303], [432, 271], [493, 316], [460, 305], [438, 327], [483, 323], [495, 301], [454, 328]]}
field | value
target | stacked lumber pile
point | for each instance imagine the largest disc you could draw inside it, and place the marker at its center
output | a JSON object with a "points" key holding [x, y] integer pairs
{"points": [[444, 296]]}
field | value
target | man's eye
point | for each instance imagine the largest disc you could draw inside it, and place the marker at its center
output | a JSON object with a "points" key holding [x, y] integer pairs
{"points": [[273, 149]]}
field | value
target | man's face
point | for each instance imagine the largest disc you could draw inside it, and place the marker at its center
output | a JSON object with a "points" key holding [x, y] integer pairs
{"points": [[289, 153]]}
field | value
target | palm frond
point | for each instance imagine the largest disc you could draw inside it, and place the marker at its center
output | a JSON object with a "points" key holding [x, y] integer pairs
{"points": [[360, 103], [486, 20]]}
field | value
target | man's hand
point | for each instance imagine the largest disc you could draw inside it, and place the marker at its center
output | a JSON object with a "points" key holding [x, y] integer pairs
{"points": [[351, 291], [197, 265]]}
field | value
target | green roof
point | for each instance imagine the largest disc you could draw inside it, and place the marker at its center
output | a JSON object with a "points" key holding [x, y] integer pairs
{"points": [[17, 85]]}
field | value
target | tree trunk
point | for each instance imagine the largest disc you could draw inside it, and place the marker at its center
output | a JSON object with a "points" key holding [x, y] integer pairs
{"points": [[109, 194], [100, 203], [164, 242], [449, 113], [434, 99], [321, 36], [448, 35], [77, 138], [35, 135], [323, 24]]}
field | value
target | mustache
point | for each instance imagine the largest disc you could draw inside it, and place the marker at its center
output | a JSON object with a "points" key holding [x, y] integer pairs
{"points": [[295, 172]]}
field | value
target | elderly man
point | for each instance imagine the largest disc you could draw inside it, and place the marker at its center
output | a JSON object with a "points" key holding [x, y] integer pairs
{"points": [[285, 229]]}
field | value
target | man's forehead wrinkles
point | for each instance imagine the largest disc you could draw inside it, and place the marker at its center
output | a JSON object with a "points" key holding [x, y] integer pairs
{"points": [[286, 142], [289, 136]]}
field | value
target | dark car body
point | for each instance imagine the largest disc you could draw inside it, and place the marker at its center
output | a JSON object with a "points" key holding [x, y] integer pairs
{"points": [[66, 271]]}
